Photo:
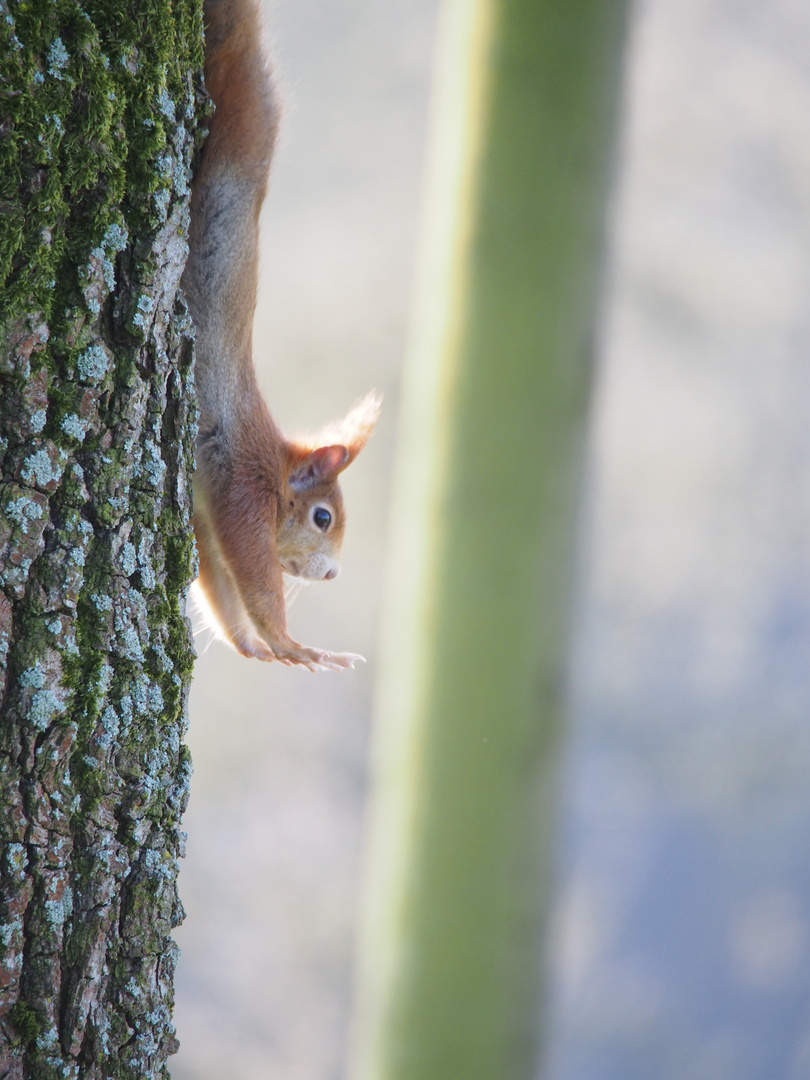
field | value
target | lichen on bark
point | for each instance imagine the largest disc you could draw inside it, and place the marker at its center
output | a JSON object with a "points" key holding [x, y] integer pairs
{"points": [[97, 424]]}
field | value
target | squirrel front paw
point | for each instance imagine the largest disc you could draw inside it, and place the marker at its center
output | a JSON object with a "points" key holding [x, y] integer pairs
{"points": [[316, 659]]}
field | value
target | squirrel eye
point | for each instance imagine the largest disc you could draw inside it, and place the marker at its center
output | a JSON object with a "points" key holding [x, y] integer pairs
{"points": [[322, 518]]}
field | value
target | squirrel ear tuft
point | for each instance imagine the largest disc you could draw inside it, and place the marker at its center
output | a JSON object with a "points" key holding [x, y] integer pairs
{"points": [[321, 464], [359, 423]]}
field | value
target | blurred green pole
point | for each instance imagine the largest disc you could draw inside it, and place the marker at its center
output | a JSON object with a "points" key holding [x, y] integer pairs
{"points": [[485, 498]]}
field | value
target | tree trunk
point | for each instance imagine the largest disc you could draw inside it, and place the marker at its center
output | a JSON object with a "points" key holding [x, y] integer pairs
{"points": [[470, 709], [97, 425]]}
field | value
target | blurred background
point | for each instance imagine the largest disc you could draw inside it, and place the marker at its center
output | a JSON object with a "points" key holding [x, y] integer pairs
{"points": [[681, 944]]}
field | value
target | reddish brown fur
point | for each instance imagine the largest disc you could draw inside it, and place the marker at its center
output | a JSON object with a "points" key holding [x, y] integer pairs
{"points": [[239, 83], [257, 495]]}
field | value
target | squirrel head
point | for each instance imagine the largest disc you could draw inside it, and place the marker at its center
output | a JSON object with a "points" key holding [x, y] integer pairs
{"points": [[311, 519]]}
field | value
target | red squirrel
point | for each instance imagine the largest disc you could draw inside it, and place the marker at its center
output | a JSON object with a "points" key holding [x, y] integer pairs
{"points": [[262, 504]]}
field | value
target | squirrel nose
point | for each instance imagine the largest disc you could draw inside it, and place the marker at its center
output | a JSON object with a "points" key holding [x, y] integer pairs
{"points": [[331, 573]]}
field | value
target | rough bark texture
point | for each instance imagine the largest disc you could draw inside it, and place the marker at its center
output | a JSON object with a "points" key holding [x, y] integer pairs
{"points": [[97, 425]]}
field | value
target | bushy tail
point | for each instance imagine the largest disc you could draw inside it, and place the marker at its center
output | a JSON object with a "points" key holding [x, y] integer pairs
{"points": [[227, 193]]}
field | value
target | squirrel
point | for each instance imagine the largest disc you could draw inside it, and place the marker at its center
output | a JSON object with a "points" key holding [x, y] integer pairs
{"points": [[263, 504]]}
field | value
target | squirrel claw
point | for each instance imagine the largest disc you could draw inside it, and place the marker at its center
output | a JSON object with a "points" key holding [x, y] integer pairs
{"points": [[339, 661]]}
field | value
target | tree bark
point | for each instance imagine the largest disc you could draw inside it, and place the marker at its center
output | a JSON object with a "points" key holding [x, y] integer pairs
{"points": [[471, 698], [97, 427]]}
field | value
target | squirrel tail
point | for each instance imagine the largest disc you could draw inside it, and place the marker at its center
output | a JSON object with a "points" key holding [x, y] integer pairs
{"points": [[227, 194], [239, 80]]}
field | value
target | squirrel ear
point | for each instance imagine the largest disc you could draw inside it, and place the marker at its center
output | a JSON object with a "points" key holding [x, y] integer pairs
{"points": [[321, 464]]}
